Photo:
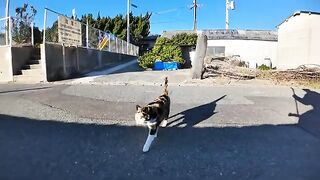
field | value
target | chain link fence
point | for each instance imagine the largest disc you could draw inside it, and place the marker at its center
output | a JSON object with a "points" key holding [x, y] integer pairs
{"points": [[76, 33], [16, 32], [21, 32], [4, 32]]}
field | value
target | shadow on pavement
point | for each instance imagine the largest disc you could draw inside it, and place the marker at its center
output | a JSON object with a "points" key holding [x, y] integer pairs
{"points": [[38, 149], [310, 120], [193, 116]]}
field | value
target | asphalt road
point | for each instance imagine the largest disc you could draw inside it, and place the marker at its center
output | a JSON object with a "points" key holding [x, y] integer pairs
{"points": [[55, 131]]}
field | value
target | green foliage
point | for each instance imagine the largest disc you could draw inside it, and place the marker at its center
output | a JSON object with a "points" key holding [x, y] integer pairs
{"points": [[167, 50], [185, 39], [52, 33], [139, 25], [264, 67], [171, 53], [147, 60], [37, 34]]}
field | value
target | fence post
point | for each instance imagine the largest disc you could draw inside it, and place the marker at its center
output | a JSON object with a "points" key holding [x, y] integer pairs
{"points": [[87, 34], [44, 26], [6, 25], [137, 50], [116, 45], [122, 47], [109, 42], [32, 35]]}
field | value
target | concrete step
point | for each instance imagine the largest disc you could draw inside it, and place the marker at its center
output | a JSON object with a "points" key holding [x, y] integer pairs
{"points": [[32, 66], [34, 62], [28, 79], [32, 72]]}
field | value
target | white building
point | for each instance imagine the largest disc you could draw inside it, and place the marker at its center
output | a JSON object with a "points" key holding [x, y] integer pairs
{"points": [[299, 40], [253, 46]]}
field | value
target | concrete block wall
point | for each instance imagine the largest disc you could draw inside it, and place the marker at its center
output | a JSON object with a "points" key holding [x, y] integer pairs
{"points": [[12, 60], [68, 62], [6, 73]]}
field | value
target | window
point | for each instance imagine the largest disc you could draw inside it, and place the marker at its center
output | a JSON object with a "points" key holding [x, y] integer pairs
{"points": [[216, 51]]}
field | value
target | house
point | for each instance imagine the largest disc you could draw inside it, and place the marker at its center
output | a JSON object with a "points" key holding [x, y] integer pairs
{"points": [[253, 46], [299, 40], [148, 43]]}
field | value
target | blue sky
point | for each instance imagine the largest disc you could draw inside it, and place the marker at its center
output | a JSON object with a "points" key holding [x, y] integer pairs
{"points": [[175, 14]]}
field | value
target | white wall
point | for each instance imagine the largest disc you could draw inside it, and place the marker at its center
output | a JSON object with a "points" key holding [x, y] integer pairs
{"points": [[6, 72], [299, 41], [252, 51]]}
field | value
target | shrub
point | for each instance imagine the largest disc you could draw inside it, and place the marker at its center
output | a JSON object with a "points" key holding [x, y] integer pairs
{"points": [[147, 60], [185, 39], [264, 67], [167, 50], [170, 53]]}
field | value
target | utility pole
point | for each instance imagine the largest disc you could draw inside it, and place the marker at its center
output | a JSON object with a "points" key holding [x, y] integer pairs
{"points": [[128, 22], [7, 8], [227, 15], [229, 5], [194, 6], [74, 13]]}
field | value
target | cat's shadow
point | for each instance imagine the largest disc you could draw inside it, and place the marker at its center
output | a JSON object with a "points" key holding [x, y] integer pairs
{"points": [[195, 115]]}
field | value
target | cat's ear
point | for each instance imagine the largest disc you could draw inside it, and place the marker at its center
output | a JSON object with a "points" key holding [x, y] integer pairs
{"points": [[138, 107]]}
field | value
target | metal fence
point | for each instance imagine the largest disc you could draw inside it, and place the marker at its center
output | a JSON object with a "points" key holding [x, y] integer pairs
{"points": [[88, 36], [15, 32], [5, 32]]}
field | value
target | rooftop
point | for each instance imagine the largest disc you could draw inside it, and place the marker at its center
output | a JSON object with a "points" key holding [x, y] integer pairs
{"points": [[170, 34], [297, 13], [222, 34]]}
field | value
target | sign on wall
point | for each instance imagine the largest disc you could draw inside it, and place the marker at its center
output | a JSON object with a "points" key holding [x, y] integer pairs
{"points": [[69, 31]]}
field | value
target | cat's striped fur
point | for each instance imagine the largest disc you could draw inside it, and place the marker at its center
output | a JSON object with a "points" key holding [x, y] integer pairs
{"points": [[154, 114]]}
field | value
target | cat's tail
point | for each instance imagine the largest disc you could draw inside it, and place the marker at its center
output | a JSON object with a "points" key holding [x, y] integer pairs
{"points": [[166, 86]]}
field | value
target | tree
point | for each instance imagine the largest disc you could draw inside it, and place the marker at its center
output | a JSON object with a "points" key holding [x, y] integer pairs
{"points": [[37, 36], [21, 25], [119, 27], [52, 33], [139, 25]]}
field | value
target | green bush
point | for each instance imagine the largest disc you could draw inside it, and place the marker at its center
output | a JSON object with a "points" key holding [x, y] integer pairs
{"points": [[167, 50], [185, 39], [264, 67], [147, 60], [170, 53]]}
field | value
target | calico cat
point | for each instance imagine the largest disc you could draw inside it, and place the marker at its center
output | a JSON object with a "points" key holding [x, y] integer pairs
{"points": [[154, 115]]}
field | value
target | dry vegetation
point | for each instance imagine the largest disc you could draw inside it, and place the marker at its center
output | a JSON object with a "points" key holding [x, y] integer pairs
{"points": [[305, 75]]}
